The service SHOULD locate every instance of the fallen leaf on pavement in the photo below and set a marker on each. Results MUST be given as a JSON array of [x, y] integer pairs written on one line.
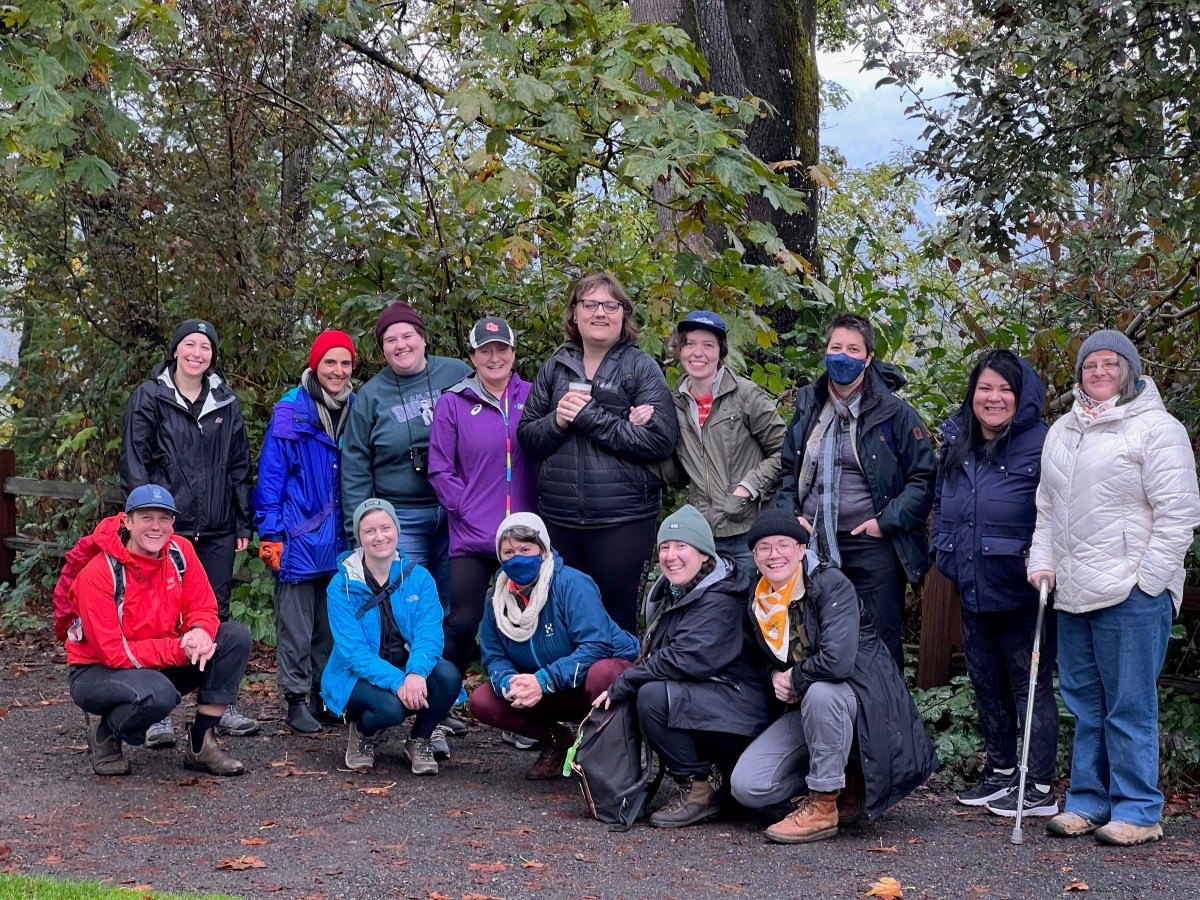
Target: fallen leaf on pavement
[[1076, 885], [237, 863], [533, 864], [455, 813], [271, 888], [479, 897], [253, 842], [886, 888], [379, 790], [434, 895], [488, 867], [883, 849], [267, 823], [513, 832], [731, 888], [915, 841]]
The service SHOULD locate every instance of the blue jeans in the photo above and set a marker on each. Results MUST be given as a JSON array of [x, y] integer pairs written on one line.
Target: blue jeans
[[425, 540], [735, 547], [376, 708], [1108, 665]]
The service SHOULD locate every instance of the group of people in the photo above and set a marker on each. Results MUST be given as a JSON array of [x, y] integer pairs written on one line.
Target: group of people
[[485, 511]]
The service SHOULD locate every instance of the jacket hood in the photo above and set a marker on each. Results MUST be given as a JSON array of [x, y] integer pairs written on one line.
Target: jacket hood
[[883, 377], [1029, 405], [352, 564], [1147, 399], [726, 576], [471, 387]]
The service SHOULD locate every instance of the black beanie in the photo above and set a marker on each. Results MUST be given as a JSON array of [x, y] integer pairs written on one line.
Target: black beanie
[[776, 521], [193, 326]]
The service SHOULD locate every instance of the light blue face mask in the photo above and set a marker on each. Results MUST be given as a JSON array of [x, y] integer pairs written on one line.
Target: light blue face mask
[[843, 368], [522, 569]]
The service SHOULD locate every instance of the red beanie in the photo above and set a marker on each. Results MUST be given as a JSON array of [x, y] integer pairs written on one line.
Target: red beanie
[[325, 342], [395, 314]]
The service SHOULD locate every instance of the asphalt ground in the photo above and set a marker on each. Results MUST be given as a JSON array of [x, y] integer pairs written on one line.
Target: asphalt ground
[[300, 825]]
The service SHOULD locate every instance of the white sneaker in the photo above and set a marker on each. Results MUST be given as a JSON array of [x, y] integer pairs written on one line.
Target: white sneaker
[[233, 722], [518, 740], [161, 735]]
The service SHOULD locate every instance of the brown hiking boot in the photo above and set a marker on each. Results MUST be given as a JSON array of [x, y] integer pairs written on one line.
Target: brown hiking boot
[[853, 798], [697, 799], [549, 764], [815, 819], [211, 758], [107, 756]]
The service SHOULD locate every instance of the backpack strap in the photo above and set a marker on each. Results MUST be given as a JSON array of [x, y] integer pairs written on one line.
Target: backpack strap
[[385, 592], [118, 577]]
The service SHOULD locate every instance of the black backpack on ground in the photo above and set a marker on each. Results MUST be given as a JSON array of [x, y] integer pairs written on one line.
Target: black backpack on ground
[[617, 770]]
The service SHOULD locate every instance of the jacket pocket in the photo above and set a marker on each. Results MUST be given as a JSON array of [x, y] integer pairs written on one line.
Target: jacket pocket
[[1000, 545]]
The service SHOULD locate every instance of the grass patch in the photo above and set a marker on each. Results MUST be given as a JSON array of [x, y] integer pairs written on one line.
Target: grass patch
[[42, 887]]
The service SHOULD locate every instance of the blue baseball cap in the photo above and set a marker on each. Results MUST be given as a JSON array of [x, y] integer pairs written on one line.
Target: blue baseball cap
[[702, 318], [150, 496]]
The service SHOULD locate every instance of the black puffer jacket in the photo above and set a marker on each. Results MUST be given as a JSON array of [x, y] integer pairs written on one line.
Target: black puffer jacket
[[894, 748], [700, 646], [595, 472], [204, 462]]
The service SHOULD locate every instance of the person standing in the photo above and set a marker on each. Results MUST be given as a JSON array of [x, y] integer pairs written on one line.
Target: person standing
[[298, 513], [385, 447], [858, 472], [598, 416], [730, 435], [480, 473], [984, 514], [1116, 511], [184, 431]]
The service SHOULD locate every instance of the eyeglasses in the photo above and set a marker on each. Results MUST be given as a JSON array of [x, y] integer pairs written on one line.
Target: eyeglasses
[[783, 548], [610, 306], [1108, 365]]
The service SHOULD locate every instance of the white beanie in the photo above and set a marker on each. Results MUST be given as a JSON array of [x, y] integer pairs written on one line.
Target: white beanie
[[531, 521]]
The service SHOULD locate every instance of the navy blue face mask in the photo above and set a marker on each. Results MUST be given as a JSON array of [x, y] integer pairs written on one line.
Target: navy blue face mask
[[522, 569], [843, 368]]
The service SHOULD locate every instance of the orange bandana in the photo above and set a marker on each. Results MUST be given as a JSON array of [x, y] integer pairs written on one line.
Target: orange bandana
[[771, 613]]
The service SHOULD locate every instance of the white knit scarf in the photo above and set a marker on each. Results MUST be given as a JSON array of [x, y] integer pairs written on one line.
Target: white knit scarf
[[515, 623]]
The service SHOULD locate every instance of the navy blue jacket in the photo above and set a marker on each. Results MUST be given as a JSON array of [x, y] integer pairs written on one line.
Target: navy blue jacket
[[573, 631], [983, 518], [298, 497]]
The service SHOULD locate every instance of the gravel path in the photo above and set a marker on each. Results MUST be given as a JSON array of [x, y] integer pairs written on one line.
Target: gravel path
[[305, 827]]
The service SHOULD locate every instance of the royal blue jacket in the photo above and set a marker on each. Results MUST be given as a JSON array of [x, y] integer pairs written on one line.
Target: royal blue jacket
[[573, 631], [984, 516], [355, 654], [298, 498]]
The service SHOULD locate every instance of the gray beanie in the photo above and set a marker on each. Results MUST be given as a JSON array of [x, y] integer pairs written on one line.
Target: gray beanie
[[370, 505], [687, 525], [532, 521], [1109, 340]]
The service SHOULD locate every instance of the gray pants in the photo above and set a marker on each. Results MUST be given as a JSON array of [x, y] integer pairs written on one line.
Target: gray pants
[[303, 640], [805, 749]]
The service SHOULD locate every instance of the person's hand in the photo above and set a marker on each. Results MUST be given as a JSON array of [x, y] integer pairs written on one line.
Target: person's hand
[[198, 647], [640, 415], [414, 693], [1035, 578], [600, 701], [569, 406], [271, 552], [740, 491], [242, 544], [869, 527], [782, 682], [524, 691]]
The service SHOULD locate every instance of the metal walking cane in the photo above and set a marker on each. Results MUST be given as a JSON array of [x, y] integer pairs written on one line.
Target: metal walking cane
[[1034, 659]]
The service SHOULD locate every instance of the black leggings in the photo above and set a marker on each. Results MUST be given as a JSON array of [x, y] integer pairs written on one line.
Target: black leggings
[[684, 751], [617, 557], [469, 579]]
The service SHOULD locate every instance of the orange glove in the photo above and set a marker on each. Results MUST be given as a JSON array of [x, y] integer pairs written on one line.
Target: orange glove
[[271, 552]]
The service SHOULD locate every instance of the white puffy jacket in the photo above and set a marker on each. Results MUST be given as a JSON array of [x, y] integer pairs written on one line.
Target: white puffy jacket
[[1117, 504]]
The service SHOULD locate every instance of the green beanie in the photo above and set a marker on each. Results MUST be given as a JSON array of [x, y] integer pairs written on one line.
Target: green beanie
[[687, 525], [370, 505]]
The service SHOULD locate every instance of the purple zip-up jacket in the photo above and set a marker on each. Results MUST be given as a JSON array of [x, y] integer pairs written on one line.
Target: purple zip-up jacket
[[468, 466]]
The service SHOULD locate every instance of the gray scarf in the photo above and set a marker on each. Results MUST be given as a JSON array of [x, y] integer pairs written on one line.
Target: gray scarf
[[824, 454], [327, 404]]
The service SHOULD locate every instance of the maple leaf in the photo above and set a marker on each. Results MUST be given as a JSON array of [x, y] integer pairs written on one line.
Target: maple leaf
[[237, 863], [253, 842], [488, 867], [1076, 885], [886, 888]]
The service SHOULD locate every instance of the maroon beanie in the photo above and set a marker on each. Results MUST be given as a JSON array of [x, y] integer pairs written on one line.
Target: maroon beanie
[[395, 314], [326, 341]]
